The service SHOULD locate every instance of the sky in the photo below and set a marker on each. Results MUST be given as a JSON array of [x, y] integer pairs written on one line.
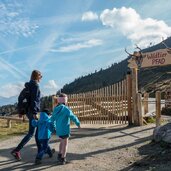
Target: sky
[[67, 39]]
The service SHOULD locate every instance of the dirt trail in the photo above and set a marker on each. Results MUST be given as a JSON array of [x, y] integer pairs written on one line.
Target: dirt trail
[[93, 148]]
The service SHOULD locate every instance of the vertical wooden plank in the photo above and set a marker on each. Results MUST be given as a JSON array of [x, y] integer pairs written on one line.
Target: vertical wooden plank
[[72, 104], [92, 108], [9, 123], [158, 108], [100, 103], [122, 105], [103, 112], [129, 94], [114, 103], [139, 96], [110, 104], [125, 100], [89, 110], [96, 101], [78, 104], [106, 111], [117, 102], [107, 114], [84, 106], [134, 96], [146, 96]]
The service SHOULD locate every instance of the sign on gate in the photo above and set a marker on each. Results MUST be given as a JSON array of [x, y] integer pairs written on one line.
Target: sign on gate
[[159, 57]]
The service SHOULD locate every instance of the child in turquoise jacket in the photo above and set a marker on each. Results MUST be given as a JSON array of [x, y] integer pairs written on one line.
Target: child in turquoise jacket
[[45, 128], [61, 116]]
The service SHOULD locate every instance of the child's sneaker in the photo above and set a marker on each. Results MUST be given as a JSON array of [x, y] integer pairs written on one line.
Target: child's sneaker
[[62, 161], [16, 154], [52, 152], [38, 161], [59, 157]]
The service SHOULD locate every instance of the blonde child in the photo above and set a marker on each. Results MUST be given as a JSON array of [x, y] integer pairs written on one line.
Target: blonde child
[[61, 117]]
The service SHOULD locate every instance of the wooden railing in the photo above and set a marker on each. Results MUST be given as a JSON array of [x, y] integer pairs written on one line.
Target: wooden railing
[[10, 119]]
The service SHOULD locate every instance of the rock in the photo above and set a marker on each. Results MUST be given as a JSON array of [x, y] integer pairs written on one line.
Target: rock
[[162, 133]]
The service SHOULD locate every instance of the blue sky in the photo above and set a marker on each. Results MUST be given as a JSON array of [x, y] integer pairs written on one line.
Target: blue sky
[[66, 39]]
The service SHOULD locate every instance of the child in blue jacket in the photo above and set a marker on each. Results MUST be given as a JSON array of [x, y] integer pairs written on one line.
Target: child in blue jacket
[[45, 128], [61, 116]]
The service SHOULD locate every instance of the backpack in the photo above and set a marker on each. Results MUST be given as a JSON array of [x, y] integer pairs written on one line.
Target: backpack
[[24, 100]]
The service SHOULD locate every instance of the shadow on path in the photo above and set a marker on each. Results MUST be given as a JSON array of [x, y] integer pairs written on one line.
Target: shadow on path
[[29, 151]]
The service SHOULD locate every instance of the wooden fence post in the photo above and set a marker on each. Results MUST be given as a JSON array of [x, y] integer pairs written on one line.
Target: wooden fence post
[[158, 108], [129, 95], [134, 95], [9, 123], [146, 96], [139, 111]]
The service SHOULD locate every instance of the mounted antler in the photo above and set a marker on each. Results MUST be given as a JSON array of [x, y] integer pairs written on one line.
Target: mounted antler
[[128, 53], [137, 47], [168, 48], [165, 45]]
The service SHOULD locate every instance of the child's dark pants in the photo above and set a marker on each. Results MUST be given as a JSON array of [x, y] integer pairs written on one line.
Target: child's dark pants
[[45, 148]]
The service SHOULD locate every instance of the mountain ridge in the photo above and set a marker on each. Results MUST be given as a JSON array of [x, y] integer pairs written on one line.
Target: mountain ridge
[[117, 71]]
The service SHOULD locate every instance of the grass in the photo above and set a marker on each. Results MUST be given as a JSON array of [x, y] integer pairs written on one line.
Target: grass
[[17, 128]]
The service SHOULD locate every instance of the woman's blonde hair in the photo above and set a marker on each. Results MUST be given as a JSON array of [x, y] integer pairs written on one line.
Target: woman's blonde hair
[[35, 75]]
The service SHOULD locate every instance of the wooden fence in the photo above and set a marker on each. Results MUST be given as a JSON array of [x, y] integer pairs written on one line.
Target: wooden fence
[[108, 105]]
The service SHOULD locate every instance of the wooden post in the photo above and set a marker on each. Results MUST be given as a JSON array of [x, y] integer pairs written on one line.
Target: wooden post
[[146, 96], [54, 101], [129, 94], [134, 95], [24, 118], [158, 108], [9, 123], [139, 111]]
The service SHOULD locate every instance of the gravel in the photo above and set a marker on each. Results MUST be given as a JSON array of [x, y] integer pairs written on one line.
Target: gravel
[[95, 148]]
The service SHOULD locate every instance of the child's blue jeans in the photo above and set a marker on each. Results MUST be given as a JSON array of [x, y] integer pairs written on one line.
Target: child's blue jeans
[[45, 148]]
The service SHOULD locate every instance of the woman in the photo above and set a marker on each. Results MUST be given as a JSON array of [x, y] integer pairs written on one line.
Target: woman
[[33, 109]]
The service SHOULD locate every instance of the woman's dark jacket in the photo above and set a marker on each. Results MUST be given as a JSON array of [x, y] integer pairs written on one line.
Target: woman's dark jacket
[[34, 105]]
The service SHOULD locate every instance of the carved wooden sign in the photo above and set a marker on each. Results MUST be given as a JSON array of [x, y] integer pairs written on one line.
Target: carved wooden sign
[[159, 57]]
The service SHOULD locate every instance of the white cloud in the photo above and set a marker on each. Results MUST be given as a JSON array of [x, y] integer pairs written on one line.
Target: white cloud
[[12, 20], [10, 90], [89, 16], [51, 85], [78, 46], [138, 30]]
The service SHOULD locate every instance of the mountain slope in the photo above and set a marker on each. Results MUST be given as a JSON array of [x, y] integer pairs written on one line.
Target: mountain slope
[[148, 78], [10, 100]]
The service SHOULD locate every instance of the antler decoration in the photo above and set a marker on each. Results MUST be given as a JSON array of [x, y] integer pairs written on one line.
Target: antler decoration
[[128, 53], [137, 56], [138, 47], [165, 45], [168, 48]]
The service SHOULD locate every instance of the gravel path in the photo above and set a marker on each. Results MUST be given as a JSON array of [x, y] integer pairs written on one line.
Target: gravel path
[[92, 148]]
